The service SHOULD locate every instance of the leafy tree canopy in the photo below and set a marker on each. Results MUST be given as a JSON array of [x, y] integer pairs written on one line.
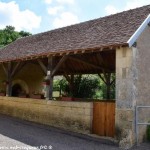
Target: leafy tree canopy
[[8, 35]]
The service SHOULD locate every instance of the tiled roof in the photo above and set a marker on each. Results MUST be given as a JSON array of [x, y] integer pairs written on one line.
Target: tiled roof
[[107, 31]]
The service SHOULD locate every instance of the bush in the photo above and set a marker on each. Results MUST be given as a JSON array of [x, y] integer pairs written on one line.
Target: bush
[[83, 87], [56, 85]]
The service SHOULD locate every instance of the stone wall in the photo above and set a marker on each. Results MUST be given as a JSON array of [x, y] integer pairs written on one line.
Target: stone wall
[[132, 89], [74, 116], [29, 77], [32, 75], [124, 97], [142, 80]]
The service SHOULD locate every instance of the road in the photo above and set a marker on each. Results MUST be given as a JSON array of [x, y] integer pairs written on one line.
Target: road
[[23, 135]]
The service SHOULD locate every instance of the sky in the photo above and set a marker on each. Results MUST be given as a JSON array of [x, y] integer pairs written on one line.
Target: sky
[[37, 16]]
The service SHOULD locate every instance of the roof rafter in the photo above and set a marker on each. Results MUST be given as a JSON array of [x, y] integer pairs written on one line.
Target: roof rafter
[[88, 63]]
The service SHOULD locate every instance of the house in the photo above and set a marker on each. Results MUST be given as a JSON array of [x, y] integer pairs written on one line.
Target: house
[[117, 43]]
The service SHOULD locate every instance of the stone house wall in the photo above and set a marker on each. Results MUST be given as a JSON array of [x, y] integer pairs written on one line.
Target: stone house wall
[[142, 79], [124, 97], [132, 89]]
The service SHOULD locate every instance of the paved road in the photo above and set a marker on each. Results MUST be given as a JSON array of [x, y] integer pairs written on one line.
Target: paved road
[[20, 135], [144, 146]]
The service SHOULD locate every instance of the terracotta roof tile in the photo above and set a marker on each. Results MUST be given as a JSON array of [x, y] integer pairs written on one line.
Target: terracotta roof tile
[[110, 30]]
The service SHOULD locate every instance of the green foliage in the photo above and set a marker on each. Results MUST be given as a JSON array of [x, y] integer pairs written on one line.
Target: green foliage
[[24, 34], [102, 93], [56, 85], [148, 132], [64, 86], [83, 87], [8, 35]]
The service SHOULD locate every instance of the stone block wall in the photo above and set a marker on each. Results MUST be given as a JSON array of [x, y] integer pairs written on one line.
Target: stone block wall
[[142, 80], [124, 97], [132, 89], [73, 116]]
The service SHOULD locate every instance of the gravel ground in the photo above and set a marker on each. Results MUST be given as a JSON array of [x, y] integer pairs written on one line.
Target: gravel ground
[[20, 135]]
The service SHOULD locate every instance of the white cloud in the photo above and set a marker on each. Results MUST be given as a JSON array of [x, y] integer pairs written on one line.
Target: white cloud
[[65, 19], [110, 9], [54, 10], [66, 1], [10, 14], [48, 1], [60, 1]]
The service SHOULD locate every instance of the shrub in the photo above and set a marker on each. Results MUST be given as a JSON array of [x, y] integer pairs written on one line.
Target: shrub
[[83, 87]]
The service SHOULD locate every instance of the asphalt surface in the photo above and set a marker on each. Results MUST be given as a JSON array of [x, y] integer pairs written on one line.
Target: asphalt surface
[[22, 135]]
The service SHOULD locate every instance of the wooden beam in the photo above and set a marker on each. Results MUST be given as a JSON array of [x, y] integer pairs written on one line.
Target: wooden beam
[[101, 58], [75, 52], [62, 60], [15, 69], [88, 63], [112, 82], [107, 80], [22, 64], [4, 68], [43, 67], [67, 77], [102, 78], [83, 51]]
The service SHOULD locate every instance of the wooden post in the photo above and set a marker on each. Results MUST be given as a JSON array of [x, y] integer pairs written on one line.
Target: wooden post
[[9, 80], [72, 84], [51, 88], [43, 67], [10, 72], [49, 94], [108, 78]]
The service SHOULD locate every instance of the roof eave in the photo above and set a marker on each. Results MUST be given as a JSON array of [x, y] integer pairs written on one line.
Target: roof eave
[[138, 32]]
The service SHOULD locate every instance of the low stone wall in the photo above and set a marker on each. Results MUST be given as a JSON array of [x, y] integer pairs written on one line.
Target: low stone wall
[[74, 116]]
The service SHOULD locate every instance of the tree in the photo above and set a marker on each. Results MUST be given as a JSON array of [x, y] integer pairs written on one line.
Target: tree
[[87, 86], [84, 86], [9, 35], [24, 34]]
